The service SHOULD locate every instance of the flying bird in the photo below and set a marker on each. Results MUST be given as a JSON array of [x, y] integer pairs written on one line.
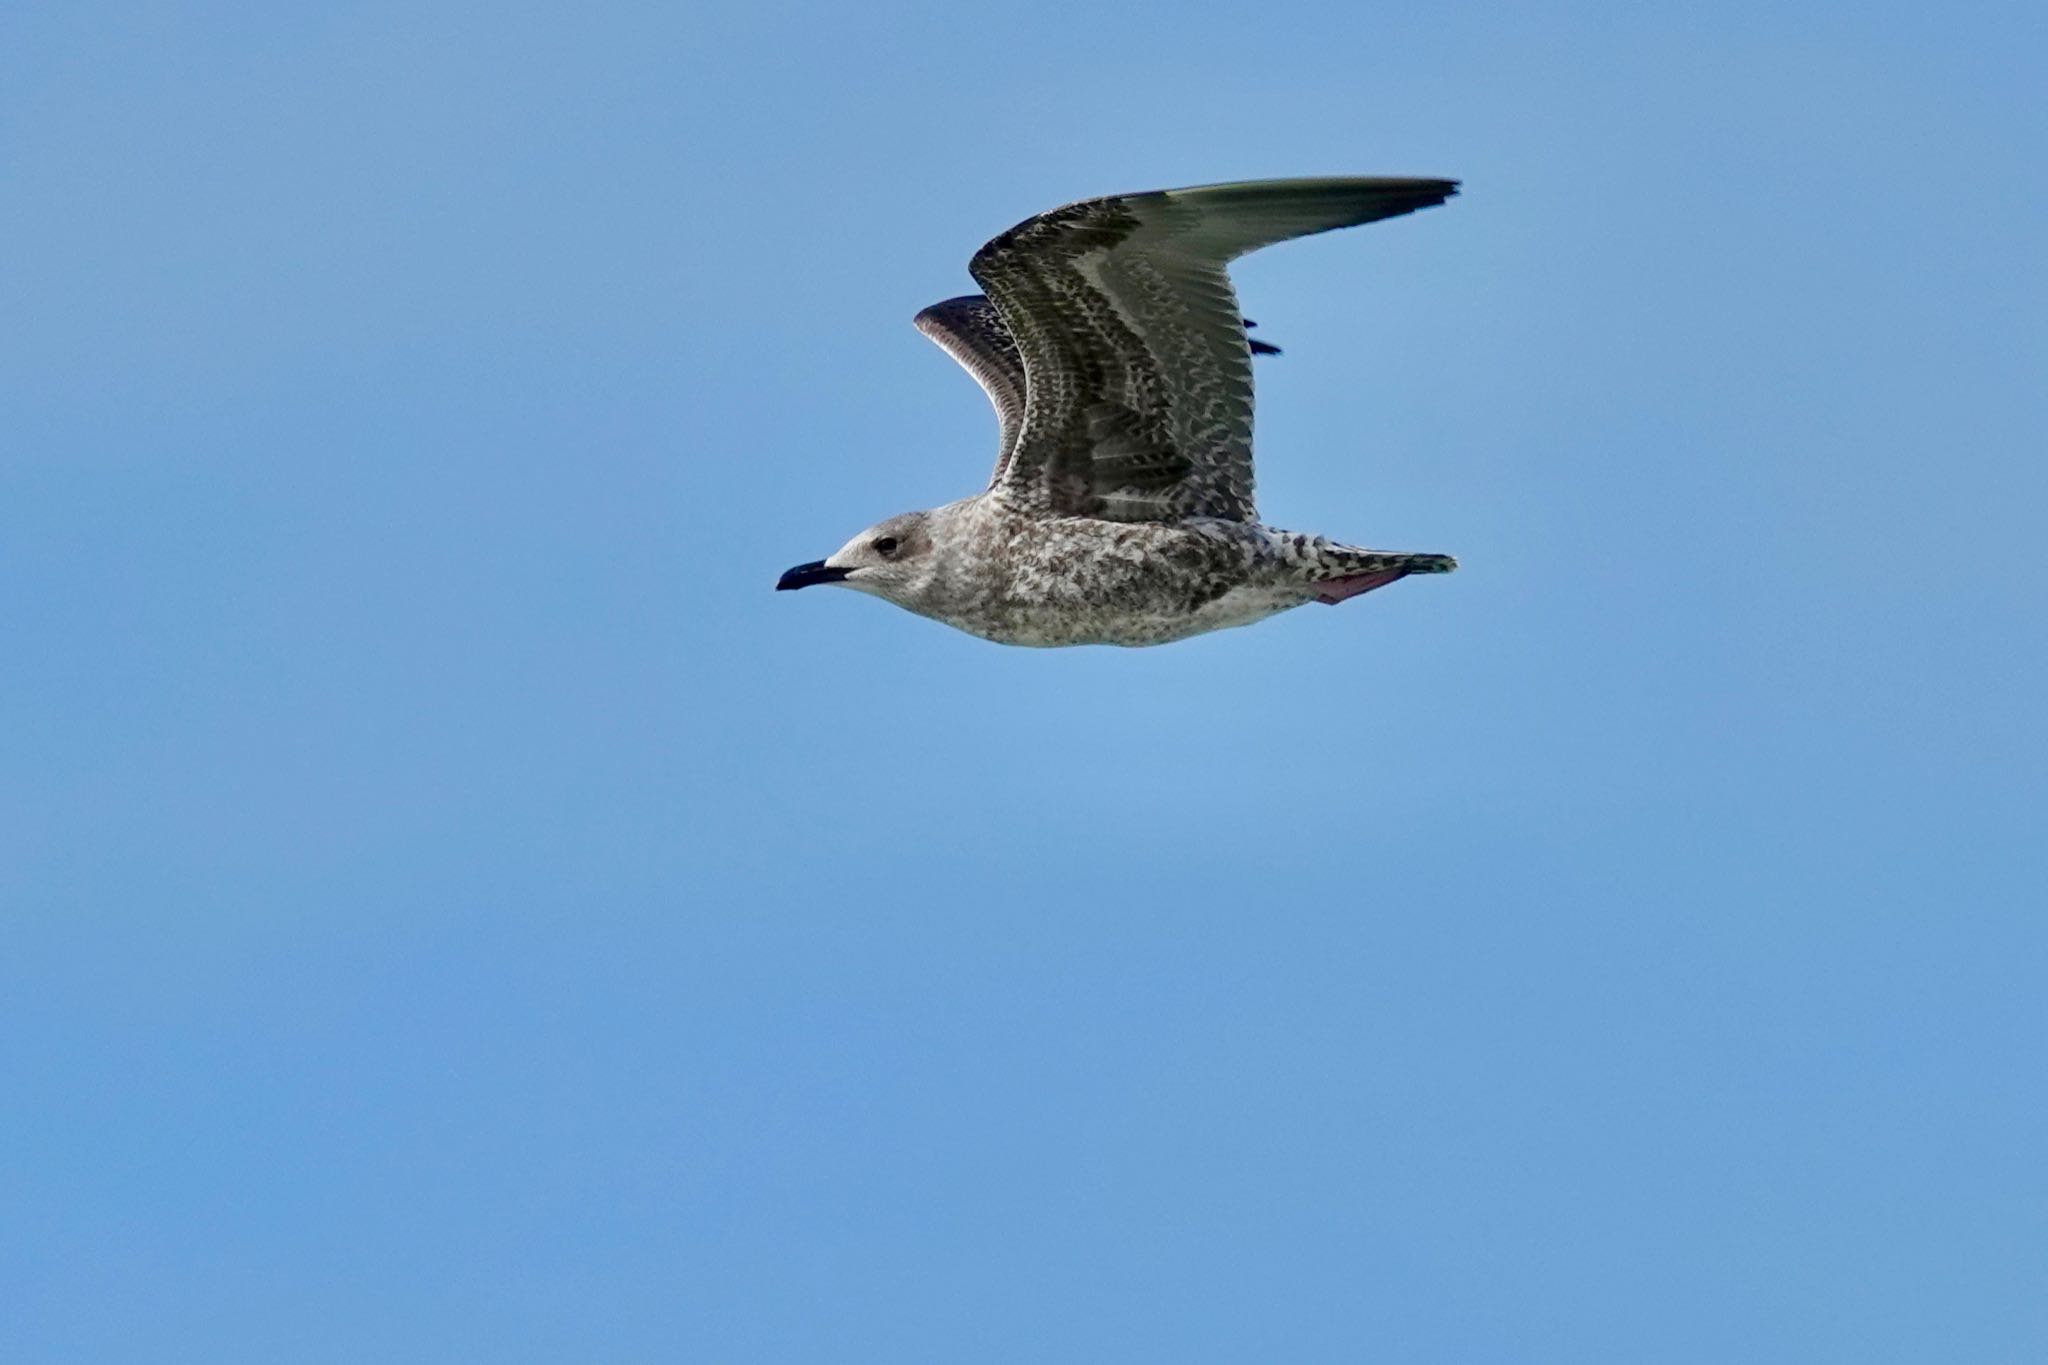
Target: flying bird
[[1109, 341]]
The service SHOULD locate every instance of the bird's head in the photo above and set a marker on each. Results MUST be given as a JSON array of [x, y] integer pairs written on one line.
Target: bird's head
[[894, 559]]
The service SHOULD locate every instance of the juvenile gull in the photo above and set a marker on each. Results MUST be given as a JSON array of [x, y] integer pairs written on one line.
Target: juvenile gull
[[1120, 512]]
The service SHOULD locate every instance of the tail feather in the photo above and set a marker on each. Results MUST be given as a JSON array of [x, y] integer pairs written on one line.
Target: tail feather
[[1363, 570]]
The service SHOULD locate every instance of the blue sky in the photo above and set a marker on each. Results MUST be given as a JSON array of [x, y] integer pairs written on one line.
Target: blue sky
[[455, 910]]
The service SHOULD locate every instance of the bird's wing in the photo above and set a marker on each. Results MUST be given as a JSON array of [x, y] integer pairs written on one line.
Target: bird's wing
[[1138, 400], [972, 332]]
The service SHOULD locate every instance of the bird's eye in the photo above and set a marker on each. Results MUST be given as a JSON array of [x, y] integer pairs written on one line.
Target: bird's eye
[[885, 545]]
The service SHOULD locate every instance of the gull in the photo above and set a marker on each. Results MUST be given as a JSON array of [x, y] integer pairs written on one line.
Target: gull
[[1110, 343]]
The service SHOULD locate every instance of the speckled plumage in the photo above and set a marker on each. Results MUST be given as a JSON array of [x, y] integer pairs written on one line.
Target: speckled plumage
[[1121, 508]]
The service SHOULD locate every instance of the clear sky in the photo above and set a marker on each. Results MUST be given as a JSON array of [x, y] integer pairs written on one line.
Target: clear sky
[[455, 911]]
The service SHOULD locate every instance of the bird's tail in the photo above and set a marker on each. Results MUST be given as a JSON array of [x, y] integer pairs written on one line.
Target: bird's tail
[[1360, 571]]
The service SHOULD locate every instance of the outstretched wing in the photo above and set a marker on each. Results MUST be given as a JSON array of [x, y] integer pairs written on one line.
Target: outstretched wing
[[1138, 393], [972, 332]]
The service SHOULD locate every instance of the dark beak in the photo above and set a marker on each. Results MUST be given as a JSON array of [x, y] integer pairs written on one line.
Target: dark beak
[[804, 575]]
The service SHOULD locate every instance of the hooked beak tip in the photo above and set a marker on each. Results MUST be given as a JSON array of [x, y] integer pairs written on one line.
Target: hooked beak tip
[[804, 575]]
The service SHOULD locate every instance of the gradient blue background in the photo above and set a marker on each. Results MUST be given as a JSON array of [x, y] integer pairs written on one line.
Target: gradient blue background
[[453, 910]]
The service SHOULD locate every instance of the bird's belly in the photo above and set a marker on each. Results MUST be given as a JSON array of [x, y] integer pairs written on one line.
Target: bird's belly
[[1130, 623]]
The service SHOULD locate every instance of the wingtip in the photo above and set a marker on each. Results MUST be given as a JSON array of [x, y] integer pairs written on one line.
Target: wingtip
[[937, 312]]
